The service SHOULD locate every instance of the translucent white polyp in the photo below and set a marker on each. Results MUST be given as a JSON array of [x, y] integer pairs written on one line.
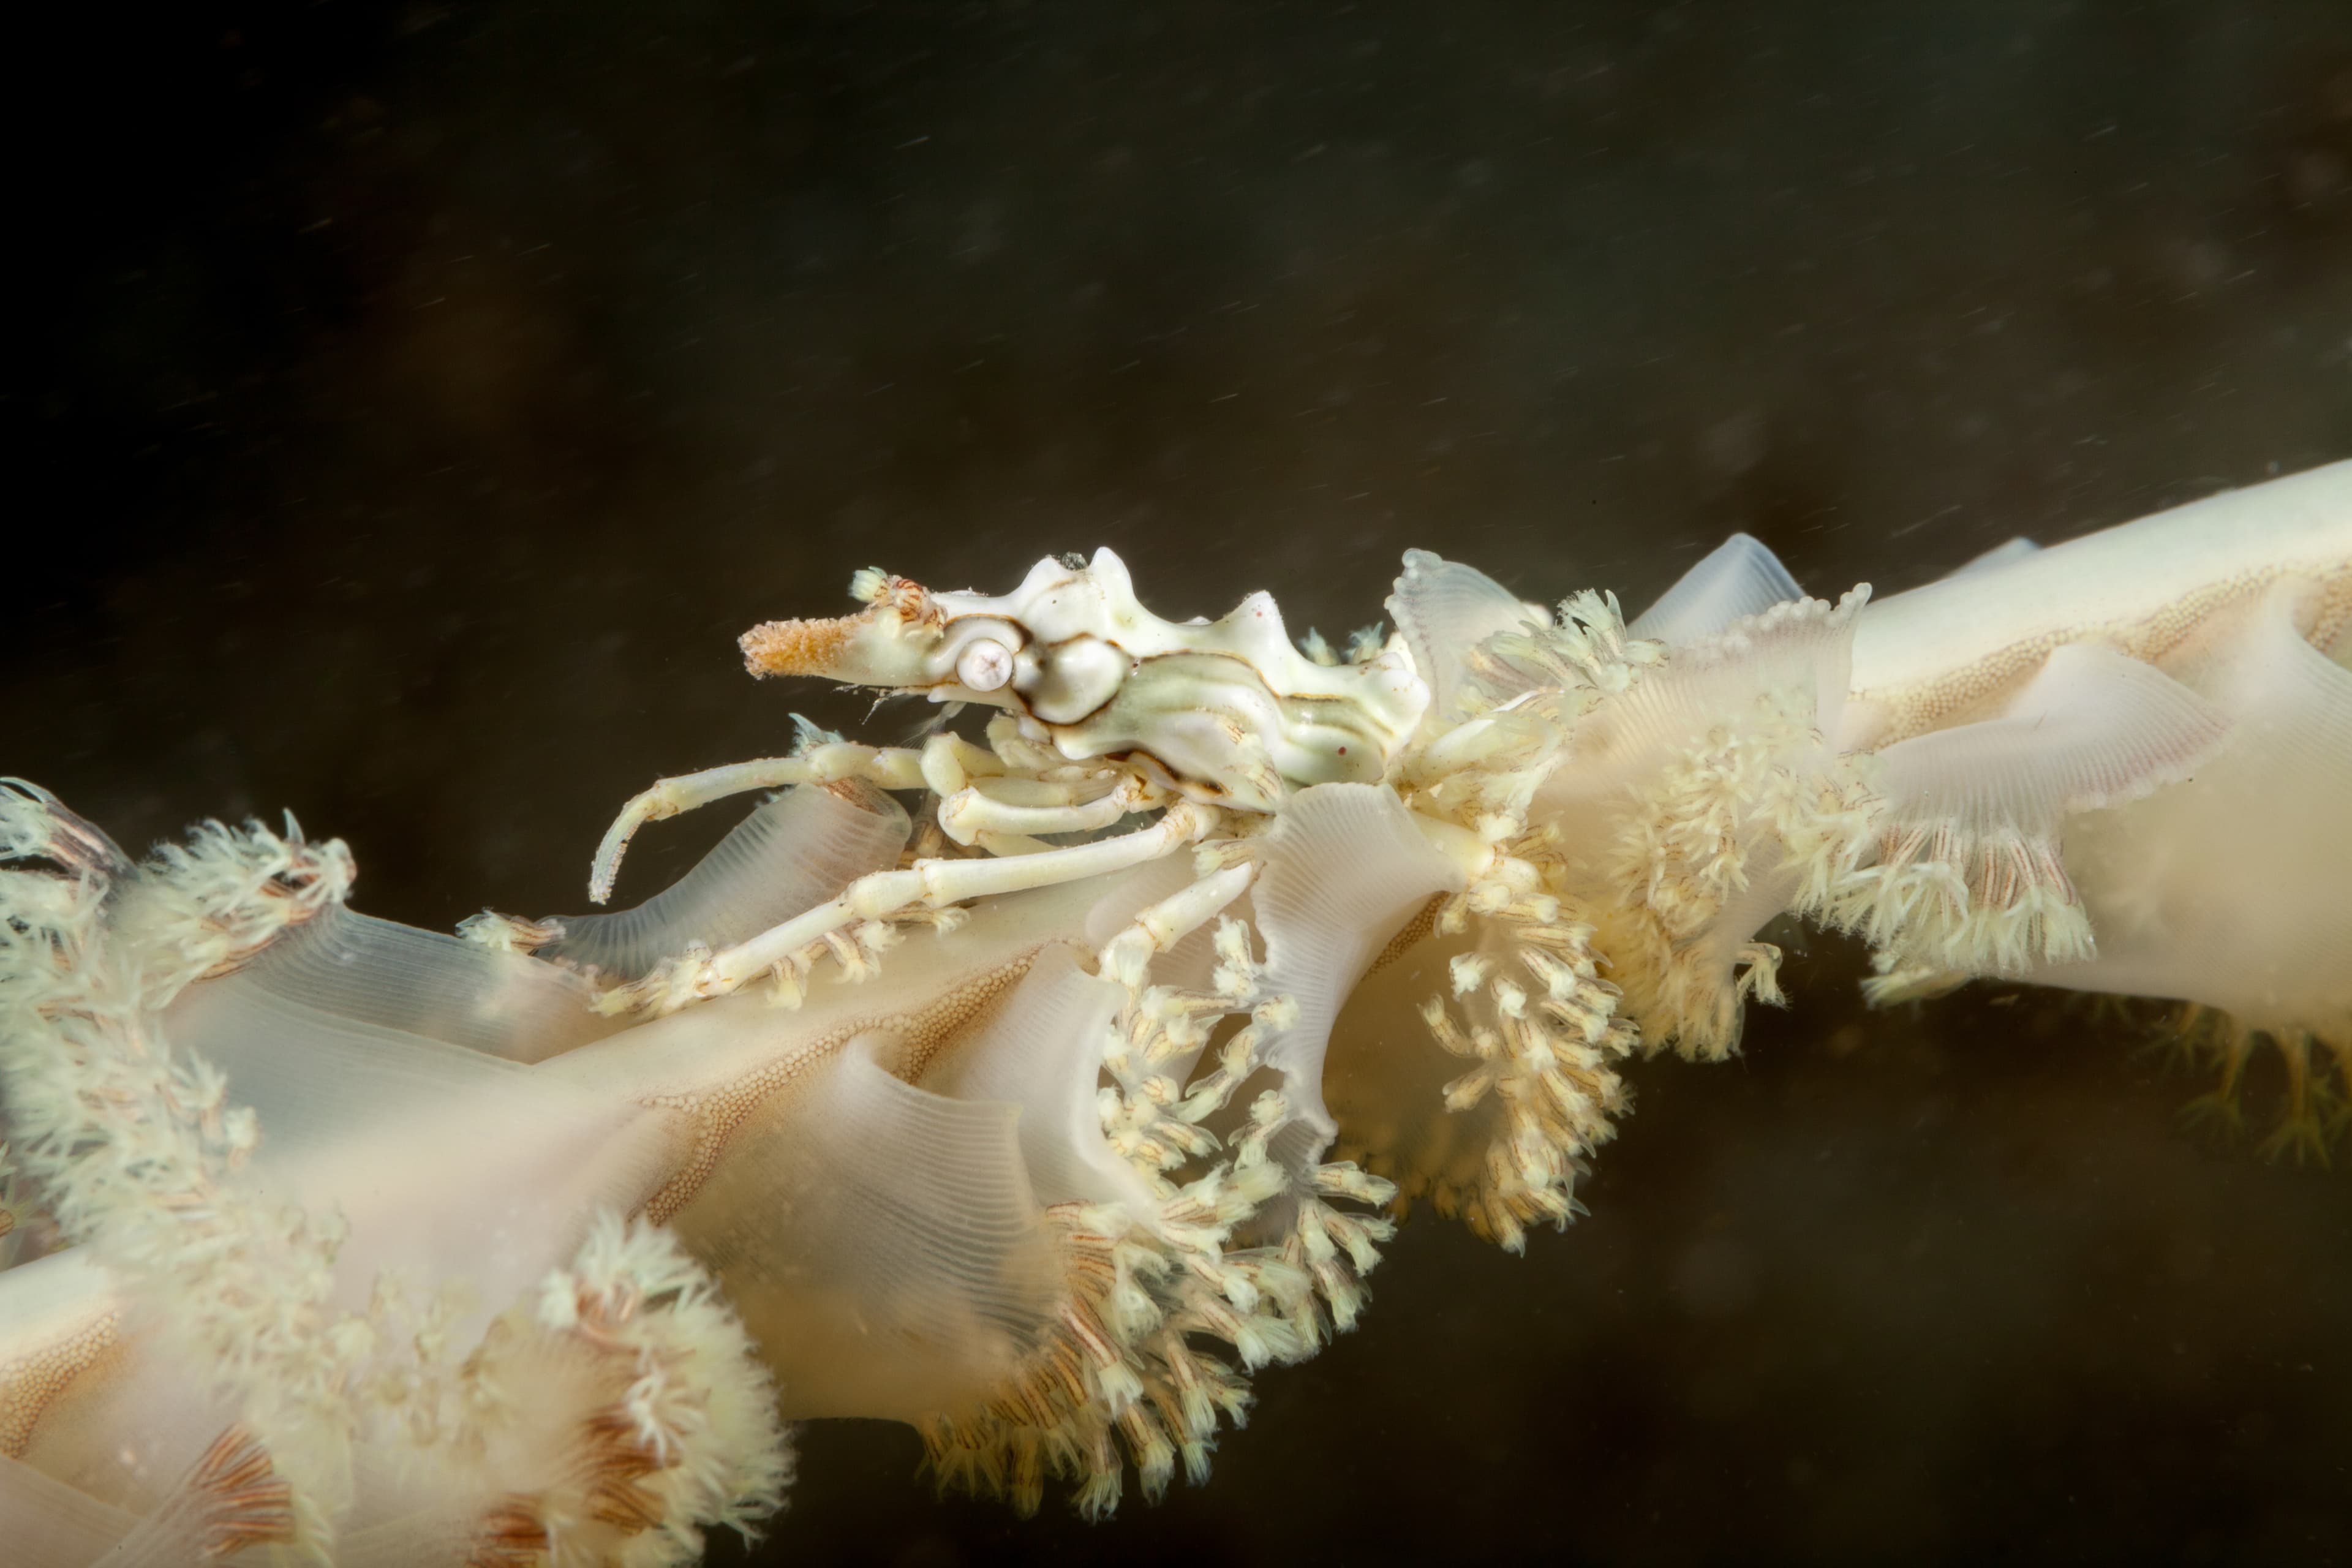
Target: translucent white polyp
[[1673, 801], [53, 1525], [1738, 579], [1042, 1053], [373, 971], [49, 1524], [1345, 869], [1625, 740], [785, 858], [2095, 728], [1446, 609], [447, 1164], [933, 985], [882, 1242], [125, 1429], [2229, 889], [48, 1308]]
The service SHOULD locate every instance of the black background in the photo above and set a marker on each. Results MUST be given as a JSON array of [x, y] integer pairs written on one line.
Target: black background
[[406, 405]]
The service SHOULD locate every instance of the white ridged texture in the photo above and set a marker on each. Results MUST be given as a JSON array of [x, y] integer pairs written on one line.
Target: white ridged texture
[[882, 1242], [373, 971], [447, 1163], [2095, 728], [2229, 890], [1446, 609], [1042, 1052], [1738, 579], [1344, 869], [785, 858]]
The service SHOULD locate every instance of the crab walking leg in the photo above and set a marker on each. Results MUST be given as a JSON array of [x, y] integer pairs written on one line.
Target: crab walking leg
[[938, 883], [891, 767], [950, 762], [1068, 785], [970, 814], [1126, 956]]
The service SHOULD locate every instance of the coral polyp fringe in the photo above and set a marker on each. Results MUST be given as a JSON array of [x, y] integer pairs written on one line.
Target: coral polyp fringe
[[1937, 896], [1114, 1367], [1748, 798], [1529, 1011], [692, 1439], [2317, 1111], [1153, 1114], [1116, 1376], [232, 1498], [134, 1145], [136, 1148], [1538, 1027]]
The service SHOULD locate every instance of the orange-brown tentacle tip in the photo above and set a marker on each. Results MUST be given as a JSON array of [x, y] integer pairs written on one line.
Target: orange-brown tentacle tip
[[512, 1534], [234, 1498], [799, 647]]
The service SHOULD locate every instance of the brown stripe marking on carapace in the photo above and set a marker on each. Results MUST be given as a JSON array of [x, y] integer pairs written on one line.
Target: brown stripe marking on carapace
[[717, 1113], [31, 1383]]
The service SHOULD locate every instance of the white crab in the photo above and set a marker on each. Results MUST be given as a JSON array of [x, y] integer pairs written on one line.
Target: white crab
[[1109, 710]]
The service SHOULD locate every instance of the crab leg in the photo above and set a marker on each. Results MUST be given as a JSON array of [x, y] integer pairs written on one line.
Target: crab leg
[[892, 767], [936, 883], [1127, 956], [971, 815]]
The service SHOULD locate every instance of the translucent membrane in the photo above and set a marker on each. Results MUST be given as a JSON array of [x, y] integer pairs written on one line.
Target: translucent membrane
[[2095, 728], [1796, 656], [2229, 889], [1965, 875], [1041, 1053], [446, 1163], [98, 1404], [1386, 1079], [1345, 871], [1738, 579], [374, 972], [785, 858], [882, 1242], [53, 1525], [1446, 609]]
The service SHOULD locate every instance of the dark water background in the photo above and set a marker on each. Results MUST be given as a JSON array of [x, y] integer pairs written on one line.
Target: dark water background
[[407, 406]]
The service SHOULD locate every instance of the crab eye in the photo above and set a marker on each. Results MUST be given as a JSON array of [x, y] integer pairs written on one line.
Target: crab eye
[[985, 664]]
